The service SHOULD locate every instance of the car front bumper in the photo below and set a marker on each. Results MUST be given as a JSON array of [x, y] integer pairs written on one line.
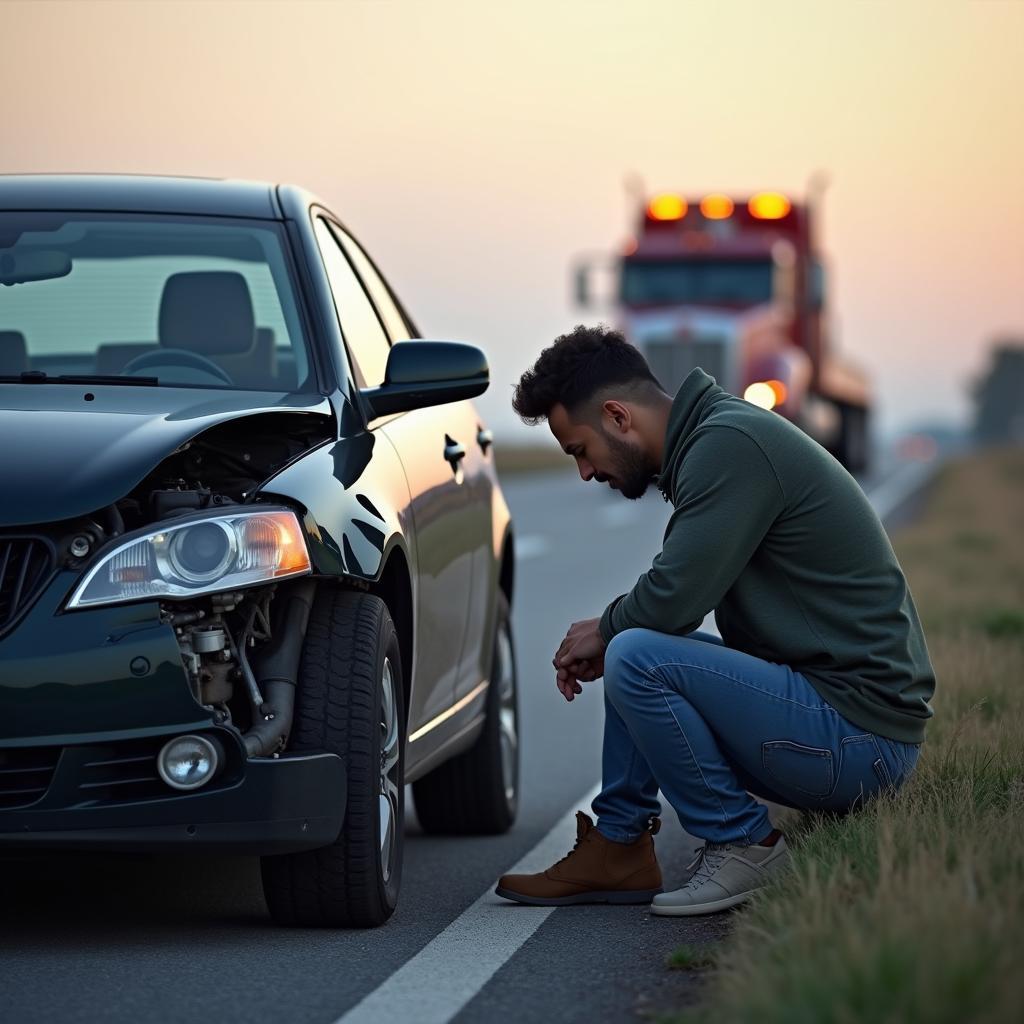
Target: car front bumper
[[278, 805], [88, 698]]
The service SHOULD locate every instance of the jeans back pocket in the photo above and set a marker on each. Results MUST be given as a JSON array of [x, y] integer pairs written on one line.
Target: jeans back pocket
[[798, 767]]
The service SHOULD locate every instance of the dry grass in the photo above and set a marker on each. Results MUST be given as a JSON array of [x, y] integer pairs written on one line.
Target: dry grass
[[913, 909]]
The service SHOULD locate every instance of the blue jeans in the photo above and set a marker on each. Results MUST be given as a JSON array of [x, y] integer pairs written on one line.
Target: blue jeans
[[710, 726]]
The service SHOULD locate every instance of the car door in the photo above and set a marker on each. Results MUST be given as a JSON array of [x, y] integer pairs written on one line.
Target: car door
[[428, 453], [472, 521]]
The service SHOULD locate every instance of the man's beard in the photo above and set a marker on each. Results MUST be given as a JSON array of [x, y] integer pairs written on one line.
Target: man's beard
[[633, 470]]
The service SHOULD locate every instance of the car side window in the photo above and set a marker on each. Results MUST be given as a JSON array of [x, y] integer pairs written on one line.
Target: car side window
[[396, 324], [360, 326]]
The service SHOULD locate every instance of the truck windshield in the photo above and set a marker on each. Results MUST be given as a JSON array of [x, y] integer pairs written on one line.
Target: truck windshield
[[700, 282], [193, 302]]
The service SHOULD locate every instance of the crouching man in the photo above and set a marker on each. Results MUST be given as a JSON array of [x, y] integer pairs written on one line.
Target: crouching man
[[816, 695]]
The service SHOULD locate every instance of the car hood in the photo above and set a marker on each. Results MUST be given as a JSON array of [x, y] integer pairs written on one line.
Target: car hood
[[65, 454]]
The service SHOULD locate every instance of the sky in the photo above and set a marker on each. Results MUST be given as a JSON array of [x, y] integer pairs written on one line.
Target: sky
[[478, 149]]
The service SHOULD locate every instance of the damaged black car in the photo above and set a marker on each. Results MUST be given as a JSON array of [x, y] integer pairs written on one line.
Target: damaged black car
[[256, 568]]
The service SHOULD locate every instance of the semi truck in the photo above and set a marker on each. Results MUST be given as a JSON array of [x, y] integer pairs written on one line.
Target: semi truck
[[737, 286]]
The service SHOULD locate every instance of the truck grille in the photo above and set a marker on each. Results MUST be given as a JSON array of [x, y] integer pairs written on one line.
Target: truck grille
[[25, 566], [25, 774], [672, 359]]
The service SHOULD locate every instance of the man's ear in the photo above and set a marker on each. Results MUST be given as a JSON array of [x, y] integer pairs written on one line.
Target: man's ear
[[620, 416]]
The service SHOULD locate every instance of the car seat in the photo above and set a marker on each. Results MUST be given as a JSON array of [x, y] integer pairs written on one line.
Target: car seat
[[13, 353]]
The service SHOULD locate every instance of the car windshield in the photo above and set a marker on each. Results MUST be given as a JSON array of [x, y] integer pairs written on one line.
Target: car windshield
[[192, 302], [701, 282]]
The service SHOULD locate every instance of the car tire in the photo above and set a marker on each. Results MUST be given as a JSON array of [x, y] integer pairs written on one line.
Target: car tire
[[349, 701], [477, 792]]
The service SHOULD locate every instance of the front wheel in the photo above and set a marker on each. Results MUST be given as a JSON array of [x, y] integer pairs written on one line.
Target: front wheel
[[349, 702], [477, 792]]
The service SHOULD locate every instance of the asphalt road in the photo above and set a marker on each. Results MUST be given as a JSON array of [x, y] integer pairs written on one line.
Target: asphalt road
[[153, 938]]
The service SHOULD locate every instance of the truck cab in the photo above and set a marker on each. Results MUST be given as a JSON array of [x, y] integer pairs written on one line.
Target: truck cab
[[736, 285]]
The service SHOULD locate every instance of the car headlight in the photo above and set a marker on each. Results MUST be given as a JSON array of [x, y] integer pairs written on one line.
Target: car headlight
[[198, 557]]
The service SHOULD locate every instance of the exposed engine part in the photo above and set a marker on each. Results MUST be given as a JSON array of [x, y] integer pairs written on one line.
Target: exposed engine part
[[255, 696], [207, 649], [278, 669], [216, 685], [215, 650], [167, 503], [115, 521], [77, 541], [176, 618], [229, 600], [219, 468], [80, 545], [199, 662], [208, 639], [256, 628]]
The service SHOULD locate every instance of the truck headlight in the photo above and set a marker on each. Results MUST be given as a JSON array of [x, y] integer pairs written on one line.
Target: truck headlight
[[200, 556]]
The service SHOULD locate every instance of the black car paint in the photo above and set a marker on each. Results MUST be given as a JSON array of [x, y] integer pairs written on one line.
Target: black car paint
[[75, 456], [66, 677]]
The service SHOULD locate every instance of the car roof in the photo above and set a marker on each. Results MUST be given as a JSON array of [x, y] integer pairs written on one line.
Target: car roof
[[137, 193]]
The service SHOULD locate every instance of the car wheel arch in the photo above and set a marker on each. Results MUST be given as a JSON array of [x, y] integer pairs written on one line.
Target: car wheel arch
[[507, 566], [394, 587]]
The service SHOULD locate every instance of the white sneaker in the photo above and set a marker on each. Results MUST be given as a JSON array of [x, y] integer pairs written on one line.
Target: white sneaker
[[726, 875]]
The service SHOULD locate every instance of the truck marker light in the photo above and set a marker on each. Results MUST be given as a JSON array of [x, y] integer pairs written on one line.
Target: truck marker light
[[667, 206], [780, 390], [769, 206], [716, 206]]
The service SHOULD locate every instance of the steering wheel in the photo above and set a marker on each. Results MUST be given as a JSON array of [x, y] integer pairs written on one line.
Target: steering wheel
[[175, 357]]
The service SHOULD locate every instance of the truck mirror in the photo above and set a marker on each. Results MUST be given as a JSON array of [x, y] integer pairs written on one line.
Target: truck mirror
[[583, 285], [817, 286]]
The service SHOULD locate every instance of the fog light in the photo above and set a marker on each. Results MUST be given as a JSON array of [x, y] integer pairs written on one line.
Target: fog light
[[188, 762]]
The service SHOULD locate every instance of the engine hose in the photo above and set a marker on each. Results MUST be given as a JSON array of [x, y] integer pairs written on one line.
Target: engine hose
[[277, 670]]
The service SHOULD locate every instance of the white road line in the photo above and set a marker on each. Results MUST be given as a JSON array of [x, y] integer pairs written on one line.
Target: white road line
[[891, 493], [445, 974]]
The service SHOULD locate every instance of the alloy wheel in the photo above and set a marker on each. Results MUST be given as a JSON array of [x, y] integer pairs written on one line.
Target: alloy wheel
[[390, 749], [505, 680]]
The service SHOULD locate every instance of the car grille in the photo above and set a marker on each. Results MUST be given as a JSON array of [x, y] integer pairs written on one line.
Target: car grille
[[103, 773], [116, 772], [25, 774], [26, 564]]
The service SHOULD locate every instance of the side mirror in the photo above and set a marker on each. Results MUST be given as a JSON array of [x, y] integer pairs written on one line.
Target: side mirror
[[424, 373]]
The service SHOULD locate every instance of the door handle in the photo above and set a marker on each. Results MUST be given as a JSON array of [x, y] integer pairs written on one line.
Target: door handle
[[485, 439], [453, 451]]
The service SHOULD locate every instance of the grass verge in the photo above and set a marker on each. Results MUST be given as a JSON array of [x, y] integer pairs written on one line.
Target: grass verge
[[912, 910]]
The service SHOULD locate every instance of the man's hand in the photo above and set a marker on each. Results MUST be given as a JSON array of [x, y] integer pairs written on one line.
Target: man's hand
[[580, 657]]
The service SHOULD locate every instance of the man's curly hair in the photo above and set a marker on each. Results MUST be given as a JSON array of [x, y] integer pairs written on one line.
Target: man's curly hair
[[576, 367]]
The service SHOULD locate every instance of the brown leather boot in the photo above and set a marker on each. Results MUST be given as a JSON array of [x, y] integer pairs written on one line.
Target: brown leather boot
[[597, 870]]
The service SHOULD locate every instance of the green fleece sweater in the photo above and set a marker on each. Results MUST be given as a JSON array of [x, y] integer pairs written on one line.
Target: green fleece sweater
[[775, 536]]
